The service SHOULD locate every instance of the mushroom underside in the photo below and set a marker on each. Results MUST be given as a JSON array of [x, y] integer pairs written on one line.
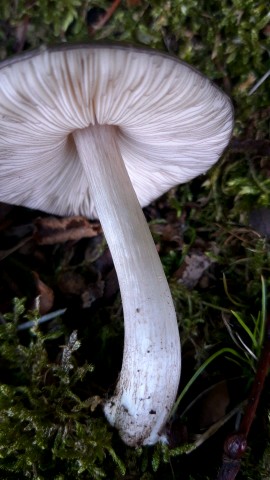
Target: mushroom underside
[[106, 129]]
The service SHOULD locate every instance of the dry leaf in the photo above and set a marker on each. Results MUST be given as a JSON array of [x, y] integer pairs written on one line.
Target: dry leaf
[[45, 294], [52, 230], [192, 269]]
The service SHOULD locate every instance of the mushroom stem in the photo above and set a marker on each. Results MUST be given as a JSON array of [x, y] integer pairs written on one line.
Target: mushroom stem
[[151, 366]]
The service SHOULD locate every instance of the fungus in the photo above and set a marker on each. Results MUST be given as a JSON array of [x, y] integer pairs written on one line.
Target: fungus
[[101, 131]]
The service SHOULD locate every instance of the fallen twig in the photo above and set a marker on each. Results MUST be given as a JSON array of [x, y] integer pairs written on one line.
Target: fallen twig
[[235, 445], [258, 147], [103, 19], [44, 318]]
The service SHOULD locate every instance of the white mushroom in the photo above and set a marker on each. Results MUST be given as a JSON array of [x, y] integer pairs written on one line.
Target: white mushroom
[[101, 130]]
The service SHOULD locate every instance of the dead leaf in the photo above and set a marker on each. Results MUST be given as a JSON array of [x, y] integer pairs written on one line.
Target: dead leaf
[[52, 230], [71, 282], [45, 294], [93, 292], [193, 269], [214, 405], [169, 232]]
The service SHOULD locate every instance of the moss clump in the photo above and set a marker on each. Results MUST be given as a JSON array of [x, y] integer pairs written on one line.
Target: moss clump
[[45, 427]]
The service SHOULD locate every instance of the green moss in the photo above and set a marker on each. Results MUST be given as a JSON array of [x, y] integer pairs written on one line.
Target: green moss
[[45, 426]]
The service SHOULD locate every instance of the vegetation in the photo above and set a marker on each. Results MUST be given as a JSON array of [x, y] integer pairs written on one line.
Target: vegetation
[[40, 413], [52, 375]]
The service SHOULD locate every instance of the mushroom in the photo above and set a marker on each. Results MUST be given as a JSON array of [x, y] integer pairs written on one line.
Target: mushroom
[[102, 130]]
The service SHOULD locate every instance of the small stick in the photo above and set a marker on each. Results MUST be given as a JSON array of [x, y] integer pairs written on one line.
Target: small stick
[[258, 84], [104, 18], [235, 445], [258, 147], [257, 387], [21, 34], [44, 318]]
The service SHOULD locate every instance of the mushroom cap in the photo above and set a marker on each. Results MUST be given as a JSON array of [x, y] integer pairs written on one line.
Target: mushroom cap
[[171, 121]]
